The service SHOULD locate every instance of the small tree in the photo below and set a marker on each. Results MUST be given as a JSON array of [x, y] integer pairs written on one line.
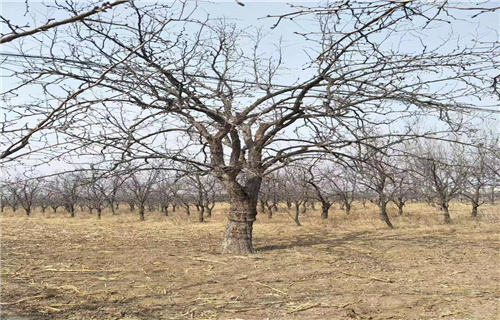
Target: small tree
[[443, 174], [141, 186]]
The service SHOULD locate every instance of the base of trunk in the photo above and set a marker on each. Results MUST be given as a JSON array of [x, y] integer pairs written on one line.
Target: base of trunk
[[238, 238]]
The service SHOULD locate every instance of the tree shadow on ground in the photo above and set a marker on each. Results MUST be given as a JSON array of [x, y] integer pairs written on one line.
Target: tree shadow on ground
[[311, 240]]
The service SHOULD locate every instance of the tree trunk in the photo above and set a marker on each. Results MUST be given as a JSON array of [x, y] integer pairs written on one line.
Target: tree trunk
[[475, 205], [141, 212], [446, 212], [201, 211], [174, 207], [400, 204], [296, 218], [383, 214], [99, 212], [28, 211], [304, 208], [238, 232], [325, 206], [208, 209], [262, 206], [165, 210], [400, 208], [112, 207], [132, 207], [347, 207]]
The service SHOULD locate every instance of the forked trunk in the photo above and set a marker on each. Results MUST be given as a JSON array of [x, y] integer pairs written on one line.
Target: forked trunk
[[304, 208], [446, 212]]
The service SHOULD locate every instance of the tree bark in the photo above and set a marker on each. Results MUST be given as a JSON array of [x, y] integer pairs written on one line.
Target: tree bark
[[238, 232], [297, 210], [474, 210], [201, 212], [347, 207], [112, 207], [325, 206], [99, 211], [446, 212], [242, 214]]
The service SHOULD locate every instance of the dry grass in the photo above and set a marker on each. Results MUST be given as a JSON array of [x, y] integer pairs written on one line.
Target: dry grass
[[54, 267]]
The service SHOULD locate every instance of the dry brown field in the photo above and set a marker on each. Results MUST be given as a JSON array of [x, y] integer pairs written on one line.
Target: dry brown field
[[347, 267]]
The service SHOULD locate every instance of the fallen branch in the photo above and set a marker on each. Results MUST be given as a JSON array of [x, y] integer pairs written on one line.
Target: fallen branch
[[306, 307], [81, 270], [268, 286], [22, 300], [206, 260], [368, 277]]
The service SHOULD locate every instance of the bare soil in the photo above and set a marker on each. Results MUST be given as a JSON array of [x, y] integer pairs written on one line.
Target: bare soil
[[347, 267]]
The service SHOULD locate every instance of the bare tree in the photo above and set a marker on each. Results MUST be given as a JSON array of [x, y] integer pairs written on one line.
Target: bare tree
[[197, 93], [26, 191], [141, 186], [375, 173], [443, 174]]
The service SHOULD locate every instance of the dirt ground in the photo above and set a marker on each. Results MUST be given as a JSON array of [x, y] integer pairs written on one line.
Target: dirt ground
[[348, 267]]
